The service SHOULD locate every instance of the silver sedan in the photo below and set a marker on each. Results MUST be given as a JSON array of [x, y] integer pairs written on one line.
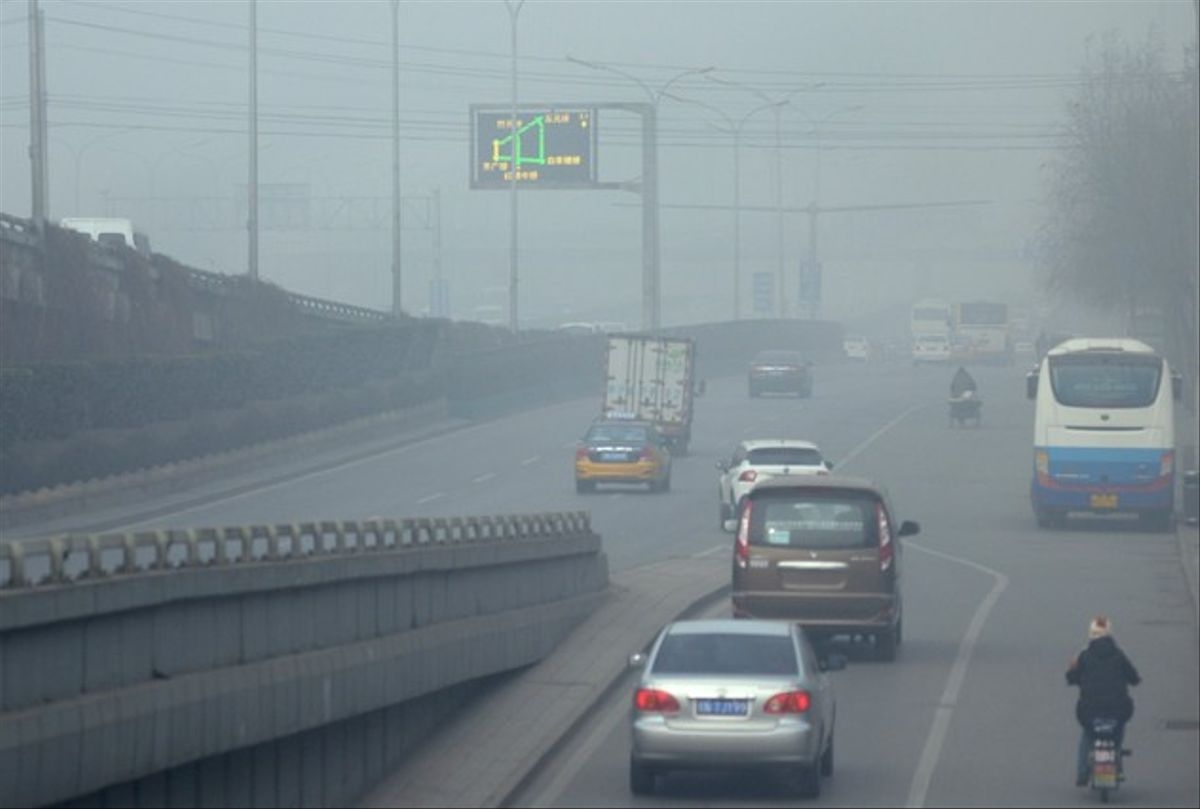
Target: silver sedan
[[732, 694]]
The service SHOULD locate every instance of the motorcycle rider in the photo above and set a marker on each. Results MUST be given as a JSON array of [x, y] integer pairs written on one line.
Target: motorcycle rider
[[962, 385], [1103, 674]]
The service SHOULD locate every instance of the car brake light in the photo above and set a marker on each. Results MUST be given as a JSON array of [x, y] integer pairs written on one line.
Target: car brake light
[[651, 700], [741, 546], [886, 550], [1041, 460], [749, 476], [647, 453], [788, 702], [1167, 464], [581, 453]]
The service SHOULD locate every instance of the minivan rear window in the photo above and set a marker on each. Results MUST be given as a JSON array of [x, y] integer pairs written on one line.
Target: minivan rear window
[[726, 654], [812, 520]]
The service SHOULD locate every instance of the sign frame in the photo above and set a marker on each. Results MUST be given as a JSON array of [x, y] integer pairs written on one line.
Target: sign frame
[[526, 112]]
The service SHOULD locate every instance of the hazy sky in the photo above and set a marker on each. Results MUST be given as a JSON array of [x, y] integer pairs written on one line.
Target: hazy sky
[[923, 102]]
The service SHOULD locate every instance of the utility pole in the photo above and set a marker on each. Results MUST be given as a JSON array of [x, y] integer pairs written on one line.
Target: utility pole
[[38, 136], [252, 184], [396, 201], [783, 307], [514, 9], [442, 295]]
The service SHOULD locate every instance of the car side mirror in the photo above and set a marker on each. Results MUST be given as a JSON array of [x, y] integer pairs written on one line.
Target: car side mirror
[[730, 526], [1176, 385], [1031, 385], [829, 465], [909, 528], [723, 465], [832, 662], [637, 660]]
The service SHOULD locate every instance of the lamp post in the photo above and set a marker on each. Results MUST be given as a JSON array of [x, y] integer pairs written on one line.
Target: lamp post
[[813, 208], [651, 272], [396, 199], [777, 104], [514, 9], [734, 128]]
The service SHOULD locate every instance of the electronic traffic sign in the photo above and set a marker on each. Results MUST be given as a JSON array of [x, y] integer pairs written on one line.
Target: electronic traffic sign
[[549, 147]]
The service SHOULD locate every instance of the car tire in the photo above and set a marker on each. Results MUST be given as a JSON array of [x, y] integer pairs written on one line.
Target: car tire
[[723, 513], [827, 759], [1160, 521], [808, 782], [665, 486], [1048, 518], [585, 486], [885, 645], [641, 779], [753, 392]]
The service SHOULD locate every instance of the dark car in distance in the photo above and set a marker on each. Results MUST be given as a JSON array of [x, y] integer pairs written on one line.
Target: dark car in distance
[[780, 371]]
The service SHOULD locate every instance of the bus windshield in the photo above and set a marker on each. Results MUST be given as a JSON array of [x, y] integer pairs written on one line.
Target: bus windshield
[[1105, 380]]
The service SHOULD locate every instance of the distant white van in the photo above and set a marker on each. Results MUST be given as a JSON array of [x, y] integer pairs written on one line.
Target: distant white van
[[109, 231]]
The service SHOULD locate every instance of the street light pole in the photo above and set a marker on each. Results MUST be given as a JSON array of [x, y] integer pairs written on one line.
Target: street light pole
[[397, 202], [252, 181], [651, 254], [514, 10]]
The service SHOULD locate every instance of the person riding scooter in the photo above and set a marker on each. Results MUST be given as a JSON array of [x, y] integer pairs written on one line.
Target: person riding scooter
[[1103, 674], [962, 384]]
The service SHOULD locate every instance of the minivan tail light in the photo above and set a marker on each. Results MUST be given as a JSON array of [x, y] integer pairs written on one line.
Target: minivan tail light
[[652, 700], [647, 453], [741, 546], [581, 453], [886, 549], [1166, 466], [788, 702], [749, 476]]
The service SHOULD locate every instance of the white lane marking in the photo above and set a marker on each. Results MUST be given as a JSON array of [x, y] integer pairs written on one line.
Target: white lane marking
[[854, 453], [531, 459], [551, 794], [429, 498], [919, 788], [711, 551], [486, 476]]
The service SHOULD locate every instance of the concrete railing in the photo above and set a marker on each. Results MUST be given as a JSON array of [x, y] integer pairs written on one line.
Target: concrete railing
[[127, 656]]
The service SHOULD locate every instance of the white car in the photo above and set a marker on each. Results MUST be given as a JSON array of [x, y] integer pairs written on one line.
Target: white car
[[931, 348], [761, 459], [857, 348]]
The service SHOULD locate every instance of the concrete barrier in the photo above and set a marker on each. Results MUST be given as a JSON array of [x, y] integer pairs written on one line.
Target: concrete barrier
[[128, 657]]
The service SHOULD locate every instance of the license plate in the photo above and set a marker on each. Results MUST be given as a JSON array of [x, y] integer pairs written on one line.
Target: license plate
[[612, 456], [1104, 776], [1104, 501], [722, 707]]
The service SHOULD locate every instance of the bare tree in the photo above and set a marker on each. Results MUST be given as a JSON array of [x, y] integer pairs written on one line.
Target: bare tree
[[1121, 232]]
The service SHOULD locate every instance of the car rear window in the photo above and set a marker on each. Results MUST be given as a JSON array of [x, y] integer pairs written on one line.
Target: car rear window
[[618, 433], [784, 456], [726, 654], [813, 520], [779, 357]]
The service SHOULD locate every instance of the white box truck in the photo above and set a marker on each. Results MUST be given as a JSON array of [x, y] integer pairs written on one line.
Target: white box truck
[[651, 379]]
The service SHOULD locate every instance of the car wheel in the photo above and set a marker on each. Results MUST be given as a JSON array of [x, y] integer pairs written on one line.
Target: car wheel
[[808, 782], [885, 645], [665, 486], [753, 392], [641, 779], [900, 631], [1048, 518], [1160, 521], [827, 759], [585, 486], [723, 514]]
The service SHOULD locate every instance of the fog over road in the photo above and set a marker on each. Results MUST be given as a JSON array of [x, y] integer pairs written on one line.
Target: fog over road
[[983, 587]]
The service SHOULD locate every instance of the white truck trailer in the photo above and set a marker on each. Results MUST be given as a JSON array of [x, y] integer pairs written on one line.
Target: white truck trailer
[[651, 379]]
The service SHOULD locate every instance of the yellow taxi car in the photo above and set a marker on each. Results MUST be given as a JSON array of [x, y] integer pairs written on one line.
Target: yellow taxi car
[[622, 452]]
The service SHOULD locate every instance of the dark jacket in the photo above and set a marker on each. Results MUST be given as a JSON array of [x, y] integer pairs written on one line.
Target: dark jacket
[[1103, 674], [961, 383]]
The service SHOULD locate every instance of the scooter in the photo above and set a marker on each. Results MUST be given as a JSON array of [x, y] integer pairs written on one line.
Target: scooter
[[1106, 758]]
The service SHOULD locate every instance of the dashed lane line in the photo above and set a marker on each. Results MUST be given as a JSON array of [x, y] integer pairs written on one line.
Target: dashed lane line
[[429, 498], [484, 478]]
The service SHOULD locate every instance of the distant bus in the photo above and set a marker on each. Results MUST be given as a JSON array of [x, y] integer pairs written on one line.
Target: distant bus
[[930, 316], [983, 332], [1104, 431]]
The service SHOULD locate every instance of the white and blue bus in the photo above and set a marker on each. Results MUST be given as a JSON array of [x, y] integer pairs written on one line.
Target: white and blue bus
[[1104, 431]]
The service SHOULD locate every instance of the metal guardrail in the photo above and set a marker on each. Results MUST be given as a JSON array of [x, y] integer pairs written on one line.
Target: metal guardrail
[[66, 559]]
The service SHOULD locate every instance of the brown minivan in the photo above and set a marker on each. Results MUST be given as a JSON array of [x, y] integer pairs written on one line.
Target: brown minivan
[[823, 552]]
